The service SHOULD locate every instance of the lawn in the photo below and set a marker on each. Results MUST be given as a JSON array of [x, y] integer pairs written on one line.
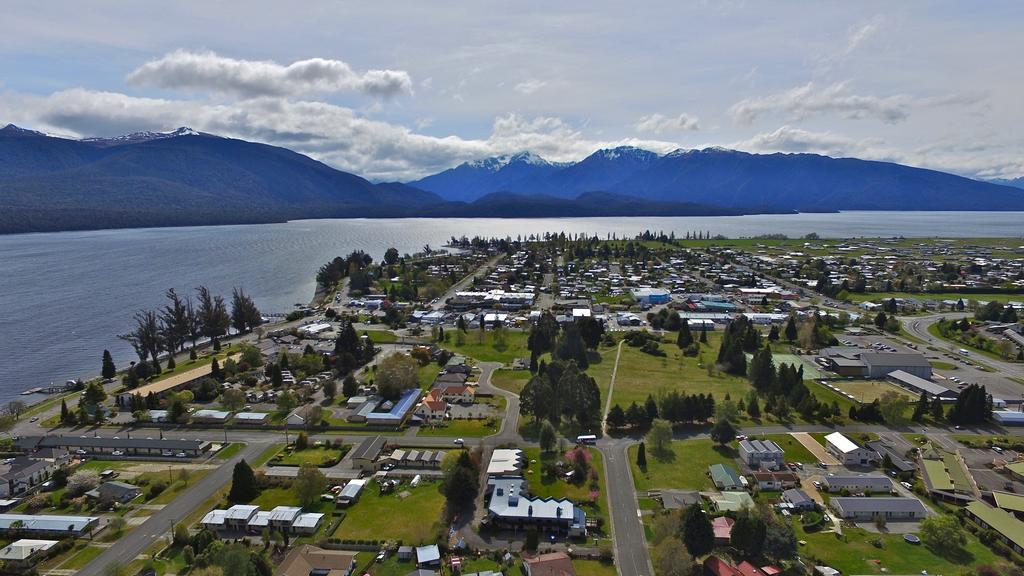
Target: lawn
[[795, 451], [317, 456], [81, 558], [867, 391], [380, 336], [593, 568], [266, 455], [986, 297], [581, 494], [641, 374], [462, 428], [685, 468], [230, 450], [511, 380], [488, 350], [413, 520], [855, 554]]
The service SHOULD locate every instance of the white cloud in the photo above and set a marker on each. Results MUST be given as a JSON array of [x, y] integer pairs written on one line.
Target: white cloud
[[530, 86], [862, 33], [809, 100], [337, 135], [789, 139], [209, 72], [658, 123]]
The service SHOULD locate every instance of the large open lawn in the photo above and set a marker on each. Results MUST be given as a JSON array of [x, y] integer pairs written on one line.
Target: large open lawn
[[985, 297], [795, 451], [488, 349], [685, 468], [413, 519], [867, 391], [855, 554], [317, 456], [511, 380], [641, 374], [462, 428]]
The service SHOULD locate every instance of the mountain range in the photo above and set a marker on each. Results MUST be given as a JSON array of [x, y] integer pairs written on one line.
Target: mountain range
[[185, 177], [728, 179]]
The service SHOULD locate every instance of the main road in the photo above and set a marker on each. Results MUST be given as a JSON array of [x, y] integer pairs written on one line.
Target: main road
[[135, 542]]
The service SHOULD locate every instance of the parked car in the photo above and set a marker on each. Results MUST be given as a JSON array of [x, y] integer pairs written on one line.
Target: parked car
[[180, 454]]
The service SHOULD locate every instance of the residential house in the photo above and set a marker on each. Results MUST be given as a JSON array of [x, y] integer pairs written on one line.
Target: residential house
[[114, 491], [725, 477], [307, 559], [1009, 529], [798, 499], [761, 454], [732, 501], [459, 394], [508, 505], [770, 480], [890, 508], [20, 556], [23, 474], [551, 564], [722, 526], [432, 408]]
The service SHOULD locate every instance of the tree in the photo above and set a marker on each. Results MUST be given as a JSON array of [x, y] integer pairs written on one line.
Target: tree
[[726, 410], [790, 331], [641, 456], [233, 399], [243, 484], [672, 559], [893, 407], [460, 482], [532, 539], [698, 535], [391, 256], [109, 370], [880, 320], [82, 481], [286, 402], [660, 438], [548, 436], [309, 484], [942, 534], [395, 374], [723, 432], [331, 389], [146, 337], [212, 314], [748, 533], [616, 417], [245, 316], [349, 386], [685, 337], [937, 411], [117, 524], [780, 541], [773, 333], [920, 408], [16, 408], [753, 409]]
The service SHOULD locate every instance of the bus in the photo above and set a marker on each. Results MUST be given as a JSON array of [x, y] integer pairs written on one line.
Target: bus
[[586, 439]]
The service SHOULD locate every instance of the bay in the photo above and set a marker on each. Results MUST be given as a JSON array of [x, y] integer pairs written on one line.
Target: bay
[[65, 296]]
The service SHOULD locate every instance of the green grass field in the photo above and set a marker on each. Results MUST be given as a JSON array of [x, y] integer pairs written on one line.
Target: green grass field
[[855, 554], [810, 371], [413, 520], [230, 450], [686, 468], [462, 428], [318, 456], [867, 391], [795, 451], [488, 350], [511, 380], [582, 494], [985, 297], [940, 365], [641, 374], [380, 336], [593, 568]]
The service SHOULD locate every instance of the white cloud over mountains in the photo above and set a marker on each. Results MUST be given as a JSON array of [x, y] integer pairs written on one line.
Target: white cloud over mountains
[[658, 123], [209, 72]]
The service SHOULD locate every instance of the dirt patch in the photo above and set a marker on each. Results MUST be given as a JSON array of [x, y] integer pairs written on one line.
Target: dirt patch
[[146, 467], [815, 448]]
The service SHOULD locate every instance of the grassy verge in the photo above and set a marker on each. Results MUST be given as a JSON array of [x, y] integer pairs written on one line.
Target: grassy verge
[[685, 466], [512, 380], [230, 450]]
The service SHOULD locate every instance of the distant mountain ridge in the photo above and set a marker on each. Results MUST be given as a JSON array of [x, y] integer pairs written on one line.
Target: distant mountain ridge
[[182, 177], [730, 179]]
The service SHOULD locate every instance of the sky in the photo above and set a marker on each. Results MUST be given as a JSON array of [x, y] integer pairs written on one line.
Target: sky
[[399, 90]]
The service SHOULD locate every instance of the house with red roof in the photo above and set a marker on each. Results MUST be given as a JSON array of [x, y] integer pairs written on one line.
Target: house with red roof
[[722, 526]]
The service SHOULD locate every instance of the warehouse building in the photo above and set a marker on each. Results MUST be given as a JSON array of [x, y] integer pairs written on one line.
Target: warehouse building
[[881, 364], [917, 385], [890, 508]]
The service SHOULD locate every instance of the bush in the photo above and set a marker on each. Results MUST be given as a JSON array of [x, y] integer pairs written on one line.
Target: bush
[[156, 488]]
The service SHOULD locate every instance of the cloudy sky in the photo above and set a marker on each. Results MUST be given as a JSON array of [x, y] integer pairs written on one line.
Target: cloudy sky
[[398, 90]]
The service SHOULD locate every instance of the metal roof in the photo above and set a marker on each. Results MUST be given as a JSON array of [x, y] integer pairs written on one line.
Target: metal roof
[[46, 522], [883, 504], [33, 442], [894, 359], [921, 384]]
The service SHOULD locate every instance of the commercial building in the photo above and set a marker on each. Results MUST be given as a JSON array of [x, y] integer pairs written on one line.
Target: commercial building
[[1009, 529], [48, 525], [652, 295], [917, 385], [798, 499], [509, 507], [866, 483], [762, 454], [393, 414], [1008, 417], [890, 508], [505, 462], [101, 445], [881, 364], [848, 452]]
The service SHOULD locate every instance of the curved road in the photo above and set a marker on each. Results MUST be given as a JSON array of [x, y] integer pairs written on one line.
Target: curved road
[[918, 327]]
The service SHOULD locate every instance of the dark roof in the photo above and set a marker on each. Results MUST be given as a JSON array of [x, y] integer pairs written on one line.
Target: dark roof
[[894, 504], [895, 359], [369, 449], [30, 443], [898, 461]]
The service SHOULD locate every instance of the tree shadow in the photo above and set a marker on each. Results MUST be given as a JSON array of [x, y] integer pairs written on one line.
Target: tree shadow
[[725, 450]]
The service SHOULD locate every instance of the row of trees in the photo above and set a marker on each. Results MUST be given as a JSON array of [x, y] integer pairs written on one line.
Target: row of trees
[[562, 391], [674, 406], [184, 320]]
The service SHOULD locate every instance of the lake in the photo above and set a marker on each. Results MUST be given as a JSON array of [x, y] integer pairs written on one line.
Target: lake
[[65, 296]]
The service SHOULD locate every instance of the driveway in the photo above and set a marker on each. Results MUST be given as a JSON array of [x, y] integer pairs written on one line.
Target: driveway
[[814, 447]]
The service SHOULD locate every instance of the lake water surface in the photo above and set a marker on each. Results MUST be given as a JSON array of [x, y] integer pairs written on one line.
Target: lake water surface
[[65, 296]]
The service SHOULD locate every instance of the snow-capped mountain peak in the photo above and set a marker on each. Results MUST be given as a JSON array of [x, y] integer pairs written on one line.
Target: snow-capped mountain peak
[[495, 163], [146, 136]]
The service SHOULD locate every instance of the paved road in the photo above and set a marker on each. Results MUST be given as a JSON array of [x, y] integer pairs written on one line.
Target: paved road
[[159, 524], [918, 326], [631, 557]]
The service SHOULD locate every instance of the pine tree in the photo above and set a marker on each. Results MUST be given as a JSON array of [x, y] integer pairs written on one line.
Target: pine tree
[[698, 535], [937, 411], [641, 456], [790, 330], [63, 412], [243, 484], [753, 410], [685, 338], [109, 370], [921, 408], [616, 417], [704, 336]]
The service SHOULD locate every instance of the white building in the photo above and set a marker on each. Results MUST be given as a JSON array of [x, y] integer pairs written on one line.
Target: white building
[[847, 451], [762, 454]]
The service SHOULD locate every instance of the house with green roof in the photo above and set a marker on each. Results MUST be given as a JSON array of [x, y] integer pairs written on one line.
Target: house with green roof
[[725, 477], [1009, 529]]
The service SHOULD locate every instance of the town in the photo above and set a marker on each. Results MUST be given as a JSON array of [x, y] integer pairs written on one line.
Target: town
[[552, 405]]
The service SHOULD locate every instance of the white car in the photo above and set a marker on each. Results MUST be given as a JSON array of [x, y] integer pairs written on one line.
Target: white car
[[180, 454], [459, 441], [117, 453]]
